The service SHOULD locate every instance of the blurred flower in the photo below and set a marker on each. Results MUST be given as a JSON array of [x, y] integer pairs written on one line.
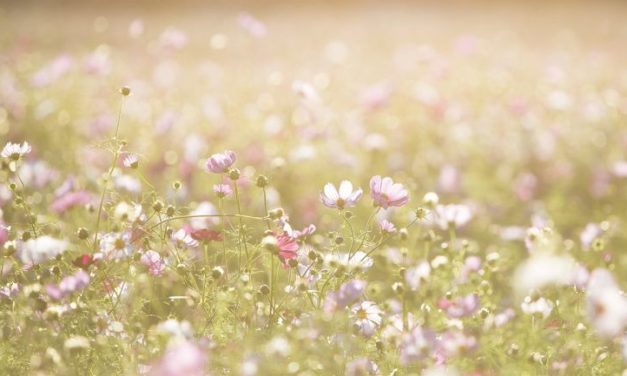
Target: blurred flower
[[607, 304], [416, 345], [589, 234], [252, 25], [68, 285], [182, 239], [460, 307], [219, 163], [70, 200], [361, 367], [540, 305], [131, 160], [417, 275], [15, 151], [543, 270], [367, 317], [387, 226], [386, 193], [153, 261], [345, 197], [288, 248], [452, 215], [37, 250], [222, 190], [357, 261], [345, 295], [182, 358]]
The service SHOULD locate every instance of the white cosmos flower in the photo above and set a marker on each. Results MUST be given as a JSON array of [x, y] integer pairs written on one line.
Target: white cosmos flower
[[356, 261], [15, 151], [606, 304], [542, 270], [40, 249], [341, 198]]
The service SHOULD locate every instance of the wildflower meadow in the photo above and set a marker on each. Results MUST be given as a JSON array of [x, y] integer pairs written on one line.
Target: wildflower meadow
[[313, 188]]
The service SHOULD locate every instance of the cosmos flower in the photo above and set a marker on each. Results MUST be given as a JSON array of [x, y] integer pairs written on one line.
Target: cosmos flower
[[181, 358], [222, 190], [461, 306], [153, 261], [355, 262], [455, 216], [606, 304], [345, 295], [37, 250], [345, 197], [541, 305], [367, 317], [68, 285], [15, 151], [387, 226], [415, 276], [182, 239], [287, 246], [417, 345], [385, 193], [131, 161], [115, 245], [220, 163], [70, 200]]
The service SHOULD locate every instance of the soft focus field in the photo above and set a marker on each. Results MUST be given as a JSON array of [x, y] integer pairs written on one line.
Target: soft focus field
[[189, 227]]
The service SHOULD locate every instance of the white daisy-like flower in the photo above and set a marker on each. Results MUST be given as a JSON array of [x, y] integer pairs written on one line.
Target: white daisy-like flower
[[131, 161], [115, 245], [15, 151], [368, 317]]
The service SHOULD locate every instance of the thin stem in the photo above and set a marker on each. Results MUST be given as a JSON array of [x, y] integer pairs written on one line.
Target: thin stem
[[116, 155]]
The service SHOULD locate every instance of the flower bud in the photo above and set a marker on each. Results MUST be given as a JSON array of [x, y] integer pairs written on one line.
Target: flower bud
[[262, 181], [82, 233], [264, 290], [125, 91], [234, 174], [217, 272]]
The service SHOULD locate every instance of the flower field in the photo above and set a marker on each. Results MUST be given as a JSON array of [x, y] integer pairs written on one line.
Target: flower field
[[313, 188]]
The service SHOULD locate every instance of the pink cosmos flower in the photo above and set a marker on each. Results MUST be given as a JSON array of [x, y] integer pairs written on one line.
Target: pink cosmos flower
[[345, 197], [387, 226], [288, 248], [68, 285], [386, 193], [347, 294], [153, 261], [460, 307], [70, 200], [222, 190], [182, 358], [219, 163]]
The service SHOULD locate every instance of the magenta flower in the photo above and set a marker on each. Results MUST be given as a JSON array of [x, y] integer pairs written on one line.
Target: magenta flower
[[386, 193], [288, 248], [345, 197], [220, 162]]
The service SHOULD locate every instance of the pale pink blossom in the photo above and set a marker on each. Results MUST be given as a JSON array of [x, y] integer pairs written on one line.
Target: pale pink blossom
[[153, 261], [386, 193], [220, 162]]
